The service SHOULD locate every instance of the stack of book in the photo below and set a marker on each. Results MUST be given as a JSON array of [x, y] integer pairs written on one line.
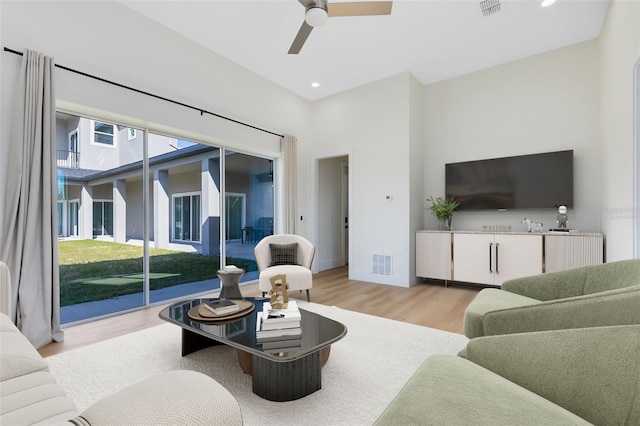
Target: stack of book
[[279, 330]]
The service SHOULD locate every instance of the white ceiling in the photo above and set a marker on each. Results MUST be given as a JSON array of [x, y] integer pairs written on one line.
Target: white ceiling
[[433, 40]]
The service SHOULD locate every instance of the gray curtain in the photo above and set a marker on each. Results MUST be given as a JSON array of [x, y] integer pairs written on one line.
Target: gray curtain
[[30, 245], [289, 151]]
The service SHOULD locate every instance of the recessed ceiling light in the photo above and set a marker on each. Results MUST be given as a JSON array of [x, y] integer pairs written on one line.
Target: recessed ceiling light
[[546, 3], [315, 84]]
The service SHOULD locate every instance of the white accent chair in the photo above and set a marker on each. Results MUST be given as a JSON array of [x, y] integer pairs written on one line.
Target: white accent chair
[[298, 274]]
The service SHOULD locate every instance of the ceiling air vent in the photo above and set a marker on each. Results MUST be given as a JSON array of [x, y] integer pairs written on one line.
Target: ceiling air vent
[[490, 7]]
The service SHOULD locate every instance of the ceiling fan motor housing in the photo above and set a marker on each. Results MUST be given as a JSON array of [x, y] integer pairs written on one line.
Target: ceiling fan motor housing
[[316, 13]]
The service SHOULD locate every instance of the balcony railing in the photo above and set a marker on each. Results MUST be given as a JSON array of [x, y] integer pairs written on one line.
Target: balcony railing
[[68, 159]]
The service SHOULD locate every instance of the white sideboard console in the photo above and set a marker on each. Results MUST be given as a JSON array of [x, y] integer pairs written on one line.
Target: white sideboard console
[[490, 258]]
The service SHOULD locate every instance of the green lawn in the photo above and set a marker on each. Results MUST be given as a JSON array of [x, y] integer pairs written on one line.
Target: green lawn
[[96, 270]]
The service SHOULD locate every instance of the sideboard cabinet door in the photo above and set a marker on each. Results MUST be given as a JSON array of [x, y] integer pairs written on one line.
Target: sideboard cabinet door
[[433, 255], [494, 258]]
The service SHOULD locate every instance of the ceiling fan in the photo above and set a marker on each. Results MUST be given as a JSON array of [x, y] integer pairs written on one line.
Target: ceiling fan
[[317, 12]]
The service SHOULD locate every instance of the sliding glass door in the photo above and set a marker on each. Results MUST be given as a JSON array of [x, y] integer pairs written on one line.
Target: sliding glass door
[[187, 203]]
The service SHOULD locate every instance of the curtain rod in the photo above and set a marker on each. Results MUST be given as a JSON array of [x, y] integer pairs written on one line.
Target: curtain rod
[[202, 111]]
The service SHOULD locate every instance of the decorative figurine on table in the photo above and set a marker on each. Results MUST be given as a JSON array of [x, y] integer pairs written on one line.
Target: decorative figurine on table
[[278, 292], [562, 217], [532, 226]]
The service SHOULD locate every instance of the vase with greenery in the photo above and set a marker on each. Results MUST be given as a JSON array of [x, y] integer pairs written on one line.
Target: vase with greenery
[[443, 210]]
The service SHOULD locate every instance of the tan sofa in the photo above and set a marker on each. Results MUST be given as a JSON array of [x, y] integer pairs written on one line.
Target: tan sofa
[[30, 395]]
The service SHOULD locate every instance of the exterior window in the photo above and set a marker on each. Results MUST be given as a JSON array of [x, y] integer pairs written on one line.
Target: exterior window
[[186, 217], [131, 133], [102, 218], [104, 133]]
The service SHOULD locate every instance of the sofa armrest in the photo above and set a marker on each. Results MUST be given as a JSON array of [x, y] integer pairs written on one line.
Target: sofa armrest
[[609, 308], [592, 372], [549, 286], [5, 290], [174, 398]]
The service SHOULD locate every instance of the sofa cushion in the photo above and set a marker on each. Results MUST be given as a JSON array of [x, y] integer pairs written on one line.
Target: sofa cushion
[[28, 392], [610, 276], [488, 300], [32, 399], [451, 390], [18, 357]]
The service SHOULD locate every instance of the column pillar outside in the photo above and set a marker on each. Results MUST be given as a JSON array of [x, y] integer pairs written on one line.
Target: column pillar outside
[[120, 211], [161, 209], [210, 207], [85, 213]]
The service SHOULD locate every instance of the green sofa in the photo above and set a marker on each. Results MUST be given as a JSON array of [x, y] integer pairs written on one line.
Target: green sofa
[[561, 377], [591, 296]]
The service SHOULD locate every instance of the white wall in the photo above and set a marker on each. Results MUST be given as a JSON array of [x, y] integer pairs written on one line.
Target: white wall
[[371, 125], [548, 102], [147, 56], [619, 46]]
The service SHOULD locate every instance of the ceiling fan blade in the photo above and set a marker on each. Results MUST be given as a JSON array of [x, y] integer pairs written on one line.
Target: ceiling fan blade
[[363, 8], [301, 37]]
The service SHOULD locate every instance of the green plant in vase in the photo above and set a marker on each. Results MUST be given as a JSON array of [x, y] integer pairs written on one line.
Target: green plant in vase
[[443, 210]]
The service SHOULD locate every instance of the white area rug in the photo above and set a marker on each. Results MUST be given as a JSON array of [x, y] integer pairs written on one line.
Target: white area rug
[[365, 371]]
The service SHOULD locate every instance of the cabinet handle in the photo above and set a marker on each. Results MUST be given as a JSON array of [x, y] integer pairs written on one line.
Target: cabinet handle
[[497, 251], [490, 259]]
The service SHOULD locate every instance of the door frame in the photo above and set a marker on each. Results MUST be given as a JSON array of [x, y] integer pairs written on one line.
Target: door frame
[[347, 234]]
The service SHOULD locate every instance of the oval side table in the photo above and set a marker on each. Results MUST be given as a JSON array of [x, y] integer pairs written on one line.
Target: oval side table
[[229, 283]]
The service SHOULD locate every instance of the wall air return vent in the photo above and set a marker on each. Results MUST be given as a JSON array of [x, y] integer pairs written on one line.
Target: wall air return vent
[[490, 7], [381, 265]]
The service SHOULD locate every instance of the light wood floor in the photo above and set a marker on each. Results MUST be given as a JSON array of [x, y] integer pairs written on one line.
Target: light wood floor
[[431, 305]]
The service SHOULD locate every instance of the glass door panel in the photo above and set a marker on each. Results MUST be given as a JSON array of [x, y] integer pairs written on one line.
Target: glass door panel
[[101, 267], [249, 207], [184, 242]]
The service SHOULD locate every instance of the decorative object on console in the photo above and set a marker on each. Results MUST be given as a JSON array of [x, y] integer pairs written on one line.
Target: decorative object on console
[[562, 217], [532, 226], [443, 210], [496, 227]]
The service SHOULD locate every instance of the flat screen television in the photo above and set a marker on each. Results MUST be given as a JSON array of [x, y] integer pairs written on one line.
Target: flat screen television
[[536, 181]]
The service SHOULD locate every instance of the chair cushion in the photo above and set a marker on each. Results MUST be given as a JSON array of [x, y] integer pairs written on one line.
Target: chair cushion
[[284, 254], [298, 277], [488, 300]]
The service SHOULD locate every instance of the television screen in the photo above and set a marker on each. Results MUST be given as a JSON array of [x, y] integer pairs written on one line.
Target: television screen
[[534, 181]]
